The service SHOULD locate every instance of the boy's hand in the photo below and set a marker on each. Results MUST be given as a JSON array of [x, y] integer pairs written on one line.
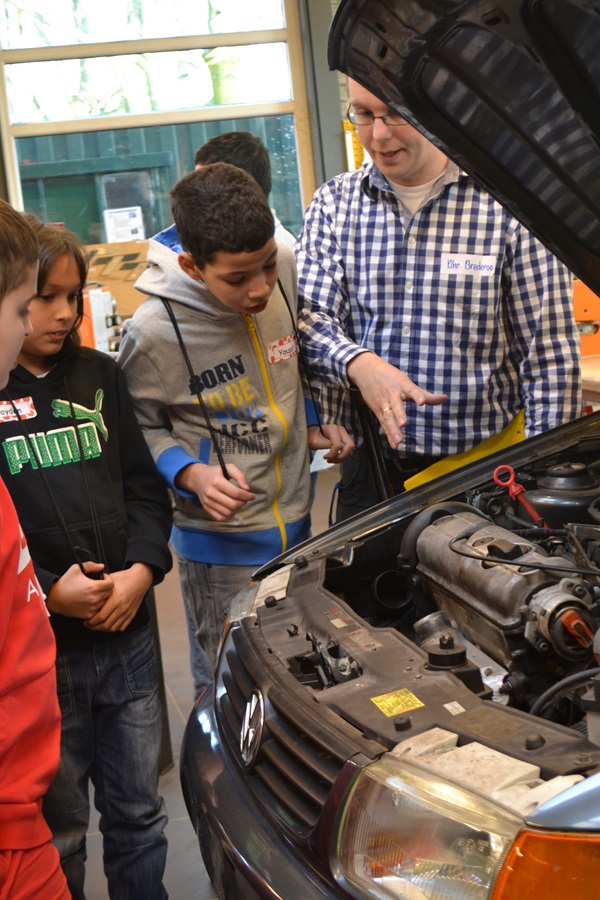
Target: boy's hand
[[76, 595], [130, 587], [335, 438], [220, 498]]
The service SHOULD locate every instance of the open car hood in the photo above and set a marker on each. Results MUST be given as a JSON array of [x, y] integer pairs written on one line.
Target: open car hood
[[340, 541], [509, 89]]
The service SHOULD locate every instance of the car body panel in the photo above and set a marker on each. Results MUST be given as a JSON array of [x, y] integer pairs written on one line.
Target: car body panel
[[244, 856], [318, 636], [577, 809]]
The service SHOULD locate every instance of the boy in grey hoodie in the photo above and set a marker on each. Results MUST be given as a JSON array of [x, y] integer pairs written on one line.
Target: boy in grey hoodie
[[234, 451]]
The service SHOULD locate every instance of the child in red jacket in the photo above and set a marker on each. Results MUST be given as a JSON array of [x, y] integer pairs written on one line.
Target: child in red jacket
[[29, 713]]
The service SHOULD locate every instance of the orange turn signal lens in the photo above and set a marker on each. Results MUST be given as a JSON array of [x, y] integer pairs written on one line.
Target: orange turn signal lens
[[544, 864]]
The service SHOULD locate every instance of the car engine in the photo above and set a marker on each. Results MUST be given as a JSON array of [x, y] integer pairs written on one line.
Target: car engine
[[519, 583], [496, 584]]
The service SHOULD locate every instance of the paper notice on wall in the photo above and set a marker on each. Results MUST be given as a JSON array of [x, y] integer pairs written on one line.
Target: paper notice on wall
[[125, 224]]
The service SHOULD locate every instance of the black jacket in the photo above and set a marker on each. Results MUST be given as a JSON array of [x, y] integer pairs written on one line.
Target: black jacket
[[82, 408]]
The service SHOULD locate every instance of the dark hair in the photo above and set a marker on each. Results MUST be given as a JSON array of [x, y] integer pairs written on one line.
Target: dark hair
[[242, 149], [18, 248], [56, 241], [220, 208]]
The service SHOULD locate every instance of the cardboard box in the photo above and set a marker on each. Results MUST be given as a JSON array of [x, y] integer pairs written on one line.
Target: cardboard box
[[117, 267]]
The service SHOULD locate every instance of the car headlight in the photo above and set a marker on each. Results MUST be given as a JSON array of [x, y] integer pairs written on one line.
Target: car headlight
[[408, 834]]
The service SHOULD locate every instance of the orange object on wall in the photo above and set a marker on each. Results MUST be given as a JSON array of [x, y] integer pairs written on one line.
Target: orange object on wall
[[587, 315], [86, 329]]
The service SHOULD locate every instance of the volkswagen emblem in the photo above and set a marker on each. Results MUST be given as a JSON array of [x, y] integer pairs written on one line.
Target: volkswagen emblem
[[252, 728]]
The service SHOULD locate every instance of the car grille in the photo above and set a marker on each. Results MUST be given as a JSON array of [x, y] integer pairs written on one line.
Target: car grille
[[300, 757]]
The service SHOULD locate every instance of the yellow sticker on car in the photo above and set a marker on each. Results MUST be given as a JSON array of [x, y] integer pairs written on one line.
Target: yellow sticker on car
[[397, 702]]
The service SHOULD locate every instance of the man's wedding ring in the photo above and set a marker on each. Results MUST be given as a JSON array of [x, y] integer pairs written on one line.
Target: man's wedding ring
[[387, 409]]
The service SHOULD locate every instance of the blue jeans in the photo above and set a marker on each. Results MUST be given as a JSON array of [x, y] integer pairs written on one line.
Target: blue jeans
[[199, 665], [207, 592], [111, 730]]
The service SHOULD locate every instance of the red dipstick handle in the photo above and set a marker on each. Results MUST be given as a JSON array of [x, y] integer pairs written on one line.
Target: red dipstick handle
[[517, 492]]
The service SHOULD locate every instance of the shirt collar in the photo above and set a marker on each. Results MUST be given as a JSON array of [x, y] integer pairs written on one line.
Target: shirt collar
[[374, 183]]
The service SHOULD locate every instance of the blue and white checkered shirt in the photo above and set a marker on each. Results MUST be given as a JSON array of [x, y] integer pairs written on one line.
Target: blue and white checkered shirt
[[460, 296]]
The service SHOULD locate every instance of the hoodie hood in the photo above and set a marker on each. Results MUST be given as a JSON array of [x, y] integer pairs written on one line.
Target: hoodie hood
[[164, 277], [58, 372]]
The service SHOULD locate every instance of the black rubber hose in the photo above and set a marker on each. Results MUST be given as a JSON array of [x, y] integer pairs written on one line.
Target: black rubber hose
[[561, 687]]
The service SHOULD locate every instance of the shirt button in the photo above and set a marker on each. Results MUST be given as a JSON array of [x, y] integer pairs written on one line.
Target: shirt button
[[412, 240], [409, 285], [406, 330]]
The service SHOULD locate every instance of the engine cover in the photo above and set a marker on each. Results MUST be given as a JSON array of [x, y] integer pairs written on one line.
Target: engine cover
[[485, 577]]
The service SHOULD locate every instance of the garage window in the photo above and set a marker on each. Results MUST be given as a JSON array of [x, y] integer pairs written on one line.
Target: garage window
[[110, 100]]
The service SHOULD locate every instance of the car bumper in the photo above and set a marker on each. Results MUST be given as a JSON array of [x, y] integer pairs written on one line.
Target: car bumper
[[245, 857]]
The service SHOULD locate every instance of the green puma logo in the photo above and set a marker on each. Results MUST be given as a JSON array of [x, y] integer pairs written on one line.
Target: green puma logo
[[64, 410]]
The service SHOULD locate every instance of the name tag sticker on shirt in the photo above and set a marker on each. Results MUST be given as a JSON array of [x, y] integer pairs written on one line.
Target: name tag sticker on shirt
[[24, 406], [284, 348], [467, 264]]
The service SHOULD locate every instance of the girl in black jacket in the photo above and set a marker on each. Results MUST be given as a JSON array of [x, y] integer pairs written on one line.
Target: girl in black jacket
[[97, 520]]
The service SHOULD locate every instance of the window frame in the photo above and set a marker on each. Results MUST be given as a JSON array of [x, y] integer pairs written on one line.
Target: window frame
[[298, 106]]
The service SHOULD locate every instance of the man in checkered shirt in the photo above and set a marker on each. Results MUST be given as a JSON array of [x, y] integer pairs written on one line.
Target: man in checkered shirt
[[416, 285]]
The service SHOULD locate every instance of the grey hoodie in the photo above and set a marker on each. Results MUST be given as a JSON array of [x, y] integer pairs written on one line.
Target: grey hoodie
[[248, 366]]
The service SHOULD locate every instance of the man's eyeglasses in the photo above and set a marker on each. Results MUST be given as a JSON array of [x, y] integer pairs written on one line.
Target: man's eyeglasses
[[364, 118]]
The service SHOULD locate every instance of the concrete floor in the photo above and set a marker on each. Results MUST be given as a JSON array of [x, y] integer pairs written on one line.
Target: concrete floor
[[185, 876]]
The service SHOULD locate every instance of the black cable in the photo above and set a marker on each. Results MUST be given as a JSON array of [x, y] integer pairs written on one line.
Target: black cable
[[561, 687], [101, 552], [196, 388], [75, 550], [517, 563], [195, 383], [302, 358]]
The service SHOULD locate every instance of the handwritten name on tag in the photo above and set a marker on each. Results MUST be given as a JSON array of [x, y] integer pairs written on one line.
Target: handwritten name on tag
[[468, 264], [25, 408], [284, 348]]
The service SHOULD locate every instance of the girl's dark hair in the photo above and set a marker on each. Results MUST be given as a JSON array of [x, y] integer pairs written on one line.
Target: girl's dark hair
[[56, 241]]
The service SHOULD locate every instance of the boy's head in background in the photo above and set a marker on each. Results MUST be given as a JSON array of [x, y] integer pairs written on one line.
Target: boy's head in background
[[242, 149], [226, 230], [19, 253]]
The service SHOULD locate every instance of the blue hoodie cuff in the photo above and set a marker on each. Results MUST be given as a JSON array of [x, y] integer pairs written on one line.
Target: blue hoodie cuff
[[170, 463], [312, 411]]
